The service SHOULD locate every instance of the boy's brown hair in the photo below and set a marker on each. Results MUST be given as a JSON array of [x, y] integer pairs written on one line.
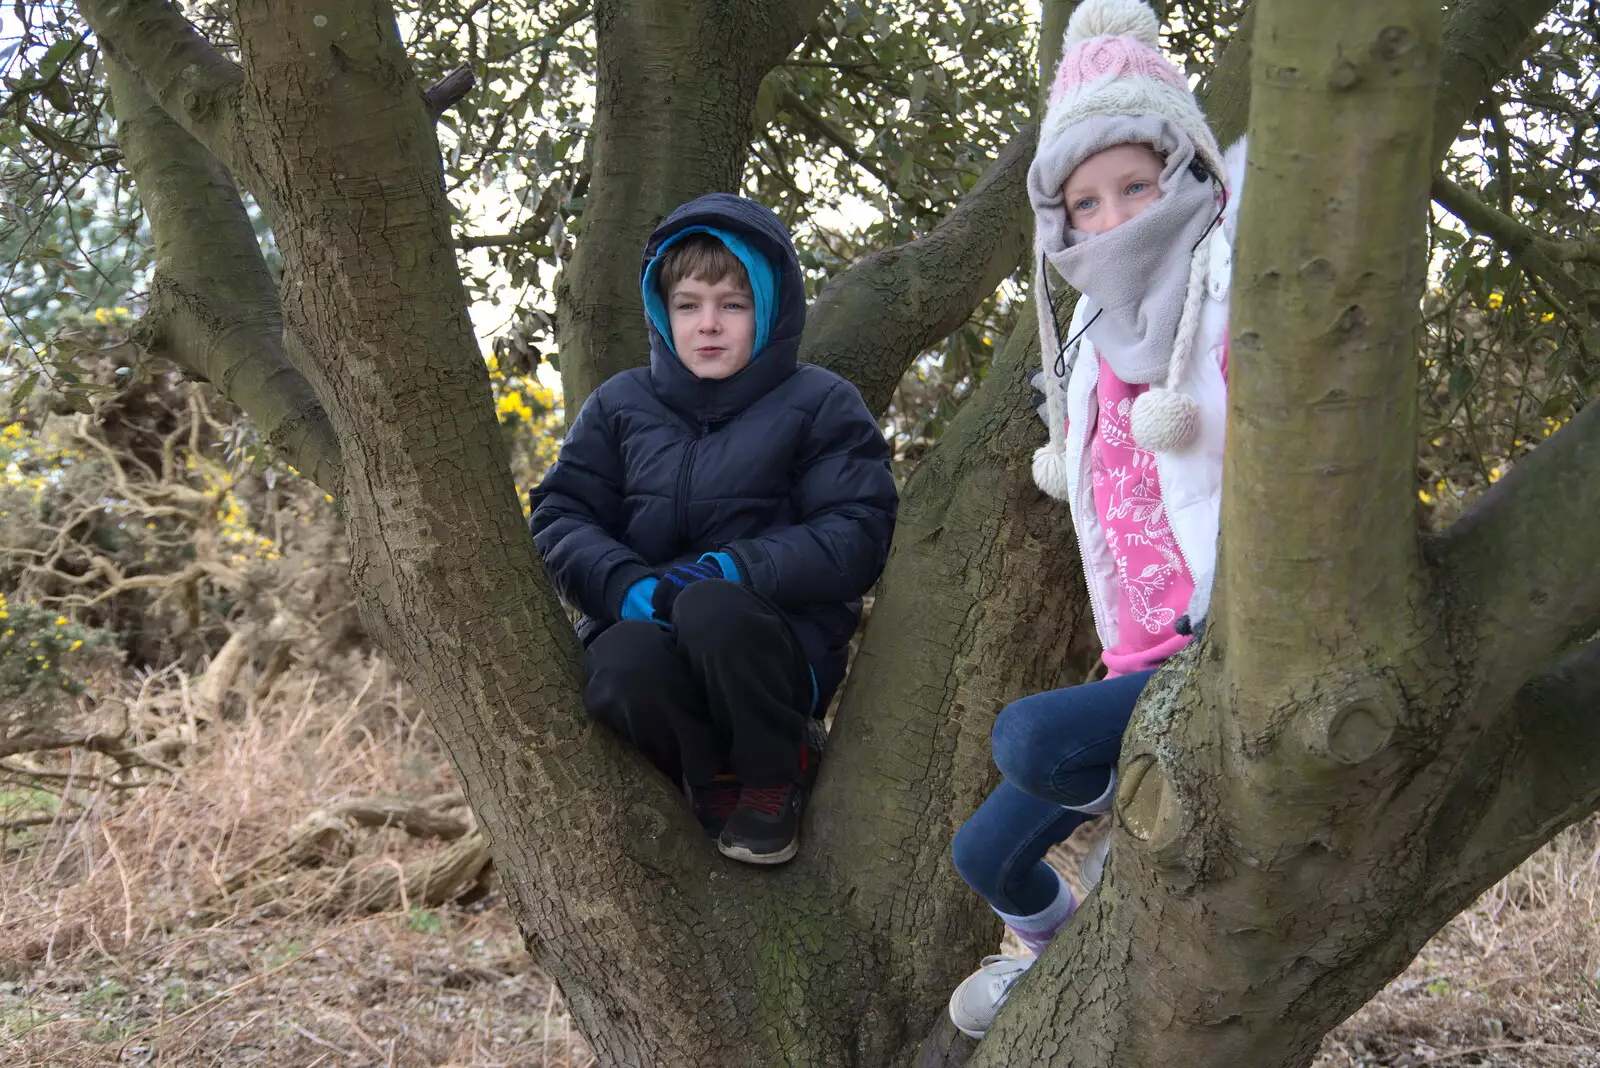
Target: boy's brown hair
[[703, 258]]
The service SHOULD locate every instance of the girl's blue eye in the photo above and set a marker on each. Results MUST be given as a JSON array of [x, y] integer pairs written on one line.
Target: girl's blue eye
[[1084, 205], [1137, 187]]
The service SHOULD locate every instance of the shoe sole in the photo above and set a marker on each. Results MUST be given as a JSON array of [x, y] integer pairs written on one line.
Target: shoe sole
[[745, 856]]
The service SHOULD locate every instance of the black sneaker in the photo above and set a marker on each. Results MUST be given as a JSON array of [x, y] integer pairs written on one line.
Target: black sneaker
[[714, 802], [765, 827]]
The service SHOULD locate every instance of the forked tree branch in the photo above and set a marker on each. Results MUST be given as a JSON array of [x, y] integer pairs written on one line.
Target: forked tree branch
[[213, 304], [1536, 252], [870, 322], [191, 80], [1520, 562], [823, 127]]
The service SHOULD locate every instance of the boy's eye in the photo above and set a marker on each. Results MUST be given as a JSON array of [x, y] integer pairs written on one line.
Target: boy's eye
[[734, 305], [683, 305]]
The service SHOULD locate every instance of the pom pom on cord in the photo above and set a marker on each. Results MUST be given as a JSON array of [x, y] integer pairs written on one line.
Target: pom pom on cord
[[1163, 420], [1114, 18], [1050, 470]]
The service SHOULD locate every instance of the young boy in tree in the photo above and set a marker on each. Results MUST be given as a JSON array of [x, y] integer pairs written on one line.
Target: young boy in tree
[[717, 517]]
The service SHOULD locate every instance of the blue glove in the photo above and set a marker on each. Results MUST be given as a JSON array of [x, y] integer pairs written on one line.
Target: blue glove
[[636, 602], [678, 579]]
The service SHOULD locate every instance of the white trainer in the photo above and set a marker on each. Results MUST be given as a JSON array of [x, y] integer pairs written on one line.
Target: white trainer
[[976, 1002]]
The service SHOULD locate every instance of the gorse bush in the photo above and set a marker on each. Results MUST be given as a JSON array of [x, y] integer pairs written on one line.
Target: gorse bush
[[43, 653]]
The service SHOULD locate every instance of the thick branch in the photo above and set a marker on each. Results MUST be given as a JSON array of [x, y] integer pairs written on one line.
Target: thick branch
[[1532, 250], [535, 229], [1226, 92], [1053, 21], [213, 304], [1322, 407], [191, 80], [1482, 41], [790, 21], [1521, 562], [869, 323], [448, 91], [1514, 236], [1535, 773]]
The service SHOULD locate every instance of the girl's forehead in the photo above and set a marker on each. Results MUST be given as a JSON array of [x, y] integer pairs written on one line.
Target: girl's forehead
[[1128, 154]]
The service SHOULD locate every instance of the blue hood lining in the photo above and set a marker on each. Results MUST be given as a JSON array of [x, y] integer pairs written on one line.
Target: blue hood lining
[[763, 285]]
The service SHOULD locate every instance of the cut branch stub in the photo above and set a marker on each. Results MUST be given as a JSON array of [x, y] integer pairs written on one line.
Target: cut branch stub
[[1354, 729], [1147, 804]]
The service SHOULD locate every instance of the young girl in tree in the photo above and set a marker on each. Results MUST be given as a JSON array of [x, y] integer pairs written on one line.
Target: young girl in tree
[[1131, 210]]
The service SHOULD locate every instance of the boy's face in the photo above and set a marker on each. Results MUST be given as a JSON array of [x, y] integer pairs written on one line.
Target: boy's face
[[1111, 187], [713, 326]]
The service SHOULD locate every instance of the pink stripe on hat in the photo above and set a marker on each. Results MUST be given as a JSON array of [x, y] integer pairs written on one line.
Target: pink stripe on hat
[[1112, 57]]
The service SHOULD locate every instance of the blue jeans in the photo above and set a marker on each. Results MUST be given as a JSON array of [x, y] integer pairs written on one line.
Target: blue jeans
[[1055, 749]]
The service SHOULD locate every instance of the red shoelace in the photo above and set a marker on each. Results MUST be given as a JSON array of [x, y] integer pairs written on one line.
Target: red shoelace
[[723, 799], [768, 801]]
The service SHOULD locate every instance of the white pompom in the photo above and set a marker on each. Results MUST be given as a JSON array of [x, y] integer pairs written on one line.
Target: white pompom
[[1121, 18], [1164, 420], [1050, 470]]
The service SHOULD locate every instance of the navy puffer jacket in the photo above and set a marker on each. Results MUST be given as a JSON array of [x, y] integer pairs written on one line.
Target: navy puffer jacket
[[780, 465]]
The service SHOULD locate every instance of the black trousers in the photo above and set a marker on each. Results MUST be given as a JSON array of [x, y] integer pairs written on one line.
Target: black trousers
[[725, 689]]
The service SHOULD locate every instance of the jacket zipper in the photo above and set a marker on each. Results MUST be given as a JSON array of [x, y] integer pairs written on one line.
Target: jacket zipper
[[683, 483]]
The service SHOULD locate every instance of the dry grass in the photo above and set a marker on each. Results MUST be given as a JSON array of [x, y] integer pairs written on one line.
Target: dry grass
[[1510, 982], [117, 950], [120, 948]]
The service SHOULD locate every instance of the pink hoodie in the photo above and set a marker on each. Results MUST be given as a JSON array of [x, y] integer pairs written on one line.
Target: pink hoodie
[[1154, 585]]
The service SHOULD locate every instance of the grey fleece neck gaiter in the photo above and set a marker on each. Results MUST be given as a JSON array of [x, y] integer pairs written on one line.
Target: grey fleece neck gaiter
[[1136, 275]]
